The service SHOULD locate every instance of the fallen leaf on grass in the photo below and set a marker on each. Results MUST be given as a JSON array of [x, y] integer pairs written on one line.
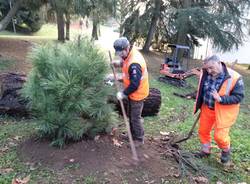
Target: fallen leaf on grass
[[176, 175], [97, 138], [164, 133], [6, 171], [12, 144], [219, 182], [114, 131], [166, 138], [201, 180], [116, 142], [229, 167], [146, 156], [17, 138], [4, 149], [21, 181]]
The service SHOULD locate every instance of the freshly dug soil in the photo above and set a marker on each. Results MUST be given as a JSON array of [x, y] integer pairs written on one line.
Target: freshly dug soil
[[101, 159]]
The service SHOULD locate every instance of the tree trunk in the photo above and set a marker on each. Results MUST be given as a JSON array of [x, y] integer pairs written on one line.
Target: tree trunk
[[67, 26], [94, 31], [153, 25], [95, 26], [132, 4], [60, 25], [182, 32], [4, 23]]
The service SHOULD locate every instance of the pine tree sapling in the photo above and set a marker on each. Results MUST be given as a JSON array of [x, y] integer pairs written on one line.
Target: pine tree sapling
[[66, 91]]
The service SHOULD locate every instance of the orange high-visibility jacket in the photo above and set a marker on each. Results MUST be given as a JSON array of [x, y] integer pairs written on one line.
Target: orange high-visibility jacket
[[143, 89], [226, 115]]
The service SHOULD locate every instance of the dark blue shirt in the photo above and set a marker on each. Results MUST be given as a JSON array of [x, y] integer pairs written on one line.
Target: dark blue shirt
[[209, 86], [135, 74]]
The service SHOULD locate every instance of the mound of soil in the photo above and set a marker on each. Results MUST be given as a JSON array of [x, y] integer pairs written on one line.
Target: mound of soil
[[102, 159]]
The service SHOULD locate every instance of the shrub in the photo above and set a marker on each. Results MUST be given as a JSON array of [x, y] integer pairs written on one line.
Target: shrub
[[66, 91]]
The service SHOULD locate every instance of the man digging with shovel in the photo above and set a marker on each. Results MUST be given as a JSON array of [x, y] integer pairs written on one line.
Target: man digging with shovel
[[220, 92], [136, 85]]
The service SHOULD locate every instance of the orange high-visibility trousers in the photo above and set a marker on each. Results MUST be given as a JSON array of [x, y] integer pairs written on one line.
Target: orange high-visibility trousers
[[207, 123]]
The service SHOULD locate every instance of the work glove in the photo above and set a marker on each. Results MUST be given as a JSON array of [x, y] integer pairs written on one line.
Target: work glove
[[120, 95], [117, 63], [110, 77]]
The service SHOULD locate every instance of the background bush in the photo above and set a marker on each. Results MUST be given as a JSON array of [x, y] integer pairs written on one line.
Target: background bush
[[67, 92]]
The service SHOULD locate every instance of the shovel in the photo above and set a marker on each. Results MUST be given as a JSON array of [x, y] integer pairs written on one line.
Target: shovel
[[132, 145], [190, 132]]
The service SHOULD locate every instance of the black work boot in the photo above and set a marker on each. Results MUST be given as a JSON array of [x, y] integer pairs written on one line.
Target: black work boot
[[225, 156], [201, 154]]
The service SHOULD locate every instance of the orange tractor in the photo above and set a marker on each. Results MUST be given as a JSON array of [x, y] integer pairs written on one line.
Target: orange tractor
[[172, 69]]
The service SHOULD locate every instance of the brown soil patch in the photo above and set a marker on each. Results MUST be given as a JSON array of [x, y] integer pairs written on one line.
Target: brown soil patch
[[16, 50], [102, 159]]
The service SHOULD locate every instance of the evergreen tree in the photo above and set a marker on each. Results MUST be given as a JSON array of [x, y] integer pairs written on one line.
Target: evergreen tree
[[24, 11], [67, 93], [137, 20], [185, 21], [123, 9], [98, 10]]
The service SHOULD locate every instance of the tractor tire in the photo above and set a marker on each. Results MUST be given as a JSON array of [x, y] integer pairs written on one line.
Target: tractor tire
[[151, 106], [173, 81], [152, 103], [11, 102]]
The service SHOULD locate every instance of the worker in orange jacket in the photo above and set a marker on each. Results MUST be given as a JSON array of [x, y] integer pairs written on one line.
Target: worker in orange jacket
[[220, 92], [136, 85]]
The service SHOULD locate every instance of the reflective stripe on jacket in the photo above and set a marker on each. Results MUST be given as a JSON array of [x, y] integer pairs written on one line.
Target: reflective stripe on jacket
[[225, 114], [143, 89]]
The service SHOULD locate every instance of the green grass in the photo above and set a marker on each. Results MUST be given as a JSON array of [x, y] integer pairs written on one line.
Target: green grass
[[169, 117], [12, 132], [174, 108], [6, 64], [47, 32], [90, 180]]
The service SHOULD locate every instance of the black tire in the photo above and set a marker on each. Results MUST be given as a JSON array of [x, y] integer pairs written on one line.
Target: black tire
[[173, 81], [152, 103]]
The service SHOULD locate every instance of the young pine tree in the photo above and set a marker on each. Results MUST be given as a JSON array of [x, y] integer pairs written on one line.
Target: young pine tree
[[66, 91]]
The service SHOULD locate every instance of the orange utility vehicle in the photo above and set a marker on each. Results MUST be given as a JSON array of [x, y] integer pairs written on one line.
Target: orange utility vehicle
[[172, 69]]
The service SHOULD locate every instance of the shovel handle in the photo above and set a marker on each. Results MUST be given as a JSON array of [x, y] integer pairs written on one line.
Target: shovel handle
[[190, 132], [132, 145], [194, 125]]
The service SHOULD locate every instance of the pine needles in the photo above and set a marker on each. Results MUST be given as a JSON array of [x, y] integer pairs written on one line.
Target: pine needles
[[66, 91]]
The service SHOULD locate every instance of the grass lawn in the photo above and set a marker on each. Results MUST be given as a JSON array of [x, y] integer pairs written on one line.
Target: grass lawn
[[5, 64], [176, 115], [47, 32]]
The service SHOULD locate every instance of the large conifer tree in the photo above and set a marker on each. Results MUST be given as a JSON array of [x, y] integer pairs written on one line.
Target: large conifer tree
[[185, 21]]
